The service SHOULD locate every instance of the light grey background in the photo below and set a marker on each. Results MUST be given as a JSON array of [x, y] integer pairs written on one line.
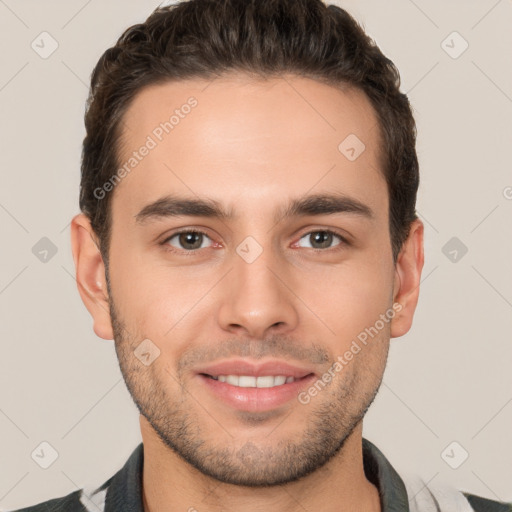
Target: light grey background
[[448, 379]]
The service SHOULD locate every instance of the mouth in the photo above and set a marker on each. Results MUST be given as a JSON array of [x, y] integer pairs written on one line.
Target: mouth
[[250, 381], [247, 387]]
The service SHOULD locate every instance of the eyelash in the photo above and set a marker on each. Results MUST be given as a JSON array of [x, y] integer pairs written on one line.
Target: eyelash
[[167, 247]]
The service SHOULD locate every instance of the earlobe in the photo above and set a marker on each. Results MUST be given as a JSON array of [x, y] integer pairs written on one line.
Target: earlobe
[[407, 280], [90, 275]]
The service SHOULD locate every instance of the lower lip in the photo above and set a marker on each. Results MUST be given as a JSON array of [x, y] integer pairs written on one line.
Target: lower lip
[[256, 399]]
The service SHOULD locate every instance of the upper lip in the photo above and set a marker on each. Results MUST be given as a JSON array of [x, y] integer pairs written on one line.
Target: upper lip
[[243, 367]]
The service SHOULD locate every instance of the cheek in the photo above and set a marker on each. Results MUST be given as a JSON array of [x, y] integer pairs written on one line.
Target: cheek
[[158, 301], [138, 288], [353, 296]]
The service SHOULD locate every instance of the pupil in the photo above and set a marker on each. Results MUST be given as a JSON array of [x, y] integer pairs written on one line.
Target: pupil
[[188, 239]]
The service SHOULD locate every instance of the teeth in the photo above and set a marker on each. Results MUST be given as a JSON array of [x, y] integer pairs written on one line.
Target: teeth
[[266, 382], [232, 379], [279, 380], [246, 381], [249, 381]]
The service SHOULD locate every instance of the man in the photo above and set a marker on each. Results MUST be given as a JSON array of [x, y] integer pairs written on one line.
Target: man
[[248, 238]]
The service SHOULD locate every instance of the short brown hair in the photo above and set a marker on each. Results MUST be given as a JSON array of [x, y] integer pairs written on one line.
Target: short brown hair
[[263, 38]]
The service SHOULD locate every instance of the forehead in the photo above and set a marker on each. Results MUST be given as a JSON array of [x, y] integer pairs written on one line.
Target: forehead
[[236, 138]]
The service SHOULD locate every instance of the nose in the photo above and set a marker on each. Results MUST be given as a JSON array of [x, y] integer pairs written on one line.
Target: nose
[[258, 298]]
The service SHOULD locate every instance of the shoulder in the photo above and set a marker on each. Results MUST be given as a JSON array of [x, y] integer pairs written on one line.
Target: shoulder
[[441, 496], [125, 486], [69, 503], [90, 498], [479, 504]]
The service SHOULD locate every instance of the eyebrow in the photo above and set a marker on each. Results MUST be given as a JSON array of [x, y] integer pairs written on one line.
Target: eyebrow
[[312, 205]]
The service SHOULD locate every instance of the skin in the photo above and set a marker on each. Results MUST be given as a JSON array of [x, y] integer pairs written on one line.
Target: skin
[[252, 146]]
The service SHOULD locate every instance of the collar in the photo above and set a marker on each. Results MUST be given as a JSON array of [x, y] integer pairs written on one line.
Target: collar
[[125, 487], [379, 471]]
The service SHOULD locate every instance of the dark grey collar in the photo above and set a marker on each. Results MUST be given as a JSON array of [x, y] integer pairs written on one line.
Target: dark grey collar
[[378, 470]]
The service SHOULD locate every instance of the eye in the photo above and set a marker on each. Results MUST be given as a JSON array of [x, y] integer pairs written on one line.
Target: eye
[[321, 239], [187, 240]]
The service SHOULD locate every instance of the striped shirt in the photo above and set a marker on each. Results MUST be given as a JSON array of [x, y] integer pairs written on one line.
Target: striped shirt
[[123, 491]]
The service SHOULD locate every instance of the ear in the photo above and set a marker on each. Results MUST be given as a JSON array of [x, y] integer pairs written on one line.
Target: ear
[[406, 287], [90, 275]]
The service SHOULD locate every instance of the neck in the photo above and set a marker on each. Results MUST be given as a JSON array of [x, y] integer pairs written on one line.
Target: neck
[[170, 483]]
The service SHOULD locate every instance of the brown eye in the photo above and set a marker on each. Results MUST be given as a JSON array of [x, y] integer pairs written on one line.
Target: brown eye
[[322, 239], [188, 240]]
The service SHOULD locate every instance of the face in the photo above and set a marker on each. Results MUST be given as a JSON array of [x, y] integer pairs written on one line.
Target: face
[[248, 249]]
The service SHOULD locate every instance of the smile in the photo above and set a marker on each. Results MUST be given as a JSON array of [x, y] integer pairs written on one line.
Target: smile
[[254, 393], [249, 381]]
